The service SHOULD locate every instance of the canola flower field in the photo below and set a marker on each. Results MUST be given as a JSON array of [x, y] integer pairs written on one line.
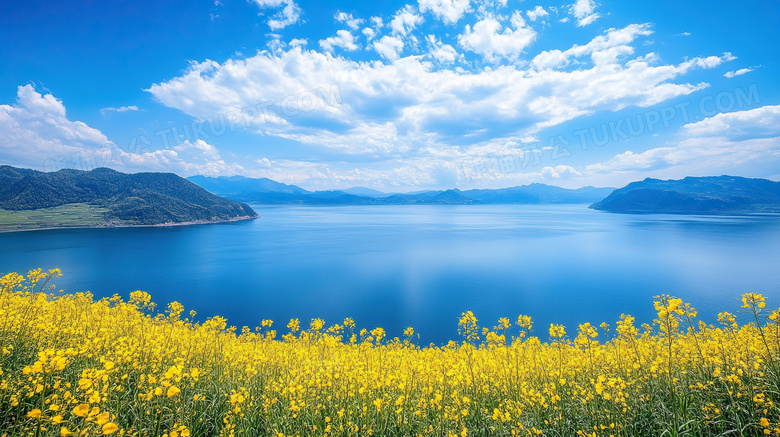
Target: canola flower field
[[75, 366]]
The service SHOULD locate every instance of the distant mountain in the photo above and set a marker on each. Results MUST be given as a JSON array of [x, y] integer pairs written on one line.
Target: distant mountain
[[365, 192], [136, 199], [695, 195], [449, 197], [538, 193], [236, 185], [268, 192]]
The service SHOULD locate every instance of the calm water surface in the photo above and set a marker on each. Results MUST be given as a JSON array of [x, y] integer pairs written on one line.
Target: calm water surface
[[420, 266]]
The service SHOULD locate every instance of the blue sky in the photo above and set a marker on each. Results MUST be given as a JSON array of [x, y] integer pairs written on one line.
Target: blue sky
[[394, 95]]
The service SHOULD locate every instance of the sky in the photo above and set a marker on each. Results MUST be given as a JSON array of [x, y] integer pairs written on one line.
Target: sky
[[394, 95]]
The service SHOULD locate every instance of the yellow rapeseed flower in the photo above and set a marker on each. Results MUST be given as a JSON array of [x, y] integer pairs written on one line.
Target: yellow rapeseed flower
[[109, 428], [344, 380], [103, 418], [750, 299], [557, 331], [81, 410]]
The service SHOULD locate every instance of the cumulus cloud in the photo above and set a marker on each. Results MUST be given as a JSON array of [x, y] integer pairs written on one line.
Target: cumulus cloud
[[369, 33], [343, 39], [603, 49], [409, 100], [584, 12], [352, 22], [185, 159], [426, 106], [405, 20], [205, 149], [489, 38], [36, 132], [744, 142], [559, 172], [36, 128], [287, 12], [763, 121], [537, 13], [389, 47], [441, 52], [449, 11], [409, 108]]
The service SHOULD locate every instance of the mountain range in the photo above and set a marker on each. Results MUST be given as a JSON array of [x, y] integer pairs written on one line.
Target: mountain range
[[268, 192], [107, 197]]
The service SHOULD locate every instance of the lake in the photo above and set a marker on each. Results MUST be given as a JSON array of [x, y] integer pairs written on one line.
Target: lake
[[421, 266]]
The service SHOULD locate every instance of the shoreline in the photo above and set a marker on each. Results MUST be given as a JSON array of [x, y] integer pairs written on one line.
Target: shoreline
[[128, 225]]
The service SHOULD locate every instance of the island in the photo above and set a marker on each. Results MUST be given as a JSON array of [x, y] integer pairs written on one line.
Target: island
[[695, 195], [103, 197]]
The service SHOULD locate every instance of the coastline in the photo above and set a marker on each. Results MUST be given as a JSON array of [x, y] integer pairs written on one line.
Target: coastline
[[110, 225]]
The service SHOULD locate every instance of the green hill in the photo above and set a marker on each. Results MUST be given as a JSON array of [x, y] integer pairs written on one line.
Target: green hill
[[128, 199]]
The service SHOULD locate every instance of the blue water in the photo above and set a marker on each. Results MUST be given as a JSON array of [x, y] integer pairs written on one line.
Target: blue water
[[421, 266]]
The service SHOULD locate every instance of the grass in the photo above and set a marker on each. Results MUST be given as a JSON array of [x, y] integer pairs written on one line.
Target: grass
[[65, 216], [73, 365]]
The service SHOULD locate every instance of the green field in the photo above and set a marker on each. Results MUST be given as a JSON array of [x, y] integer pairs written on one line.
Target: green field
[[65, 216]]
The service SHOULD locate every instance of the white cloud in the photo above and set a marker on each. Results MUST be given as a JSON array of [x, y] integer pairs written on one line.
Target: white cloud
[[119, 109], [185, 159], [629, 161], [274, 42], [389, 47], [743, 142], [441, 52], [491, 40], [369, 33], [36, 129], [392, 175], [352, 22], [36, 132], [550, 59], [584, 11], [763, 121], [420, 108], [740, 72], [206, 149], [343, 39], [269, 3], [289, 14], [298, 42], [405, 20], [603, 49], [559, 172], [537, 13], [449, 11]]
